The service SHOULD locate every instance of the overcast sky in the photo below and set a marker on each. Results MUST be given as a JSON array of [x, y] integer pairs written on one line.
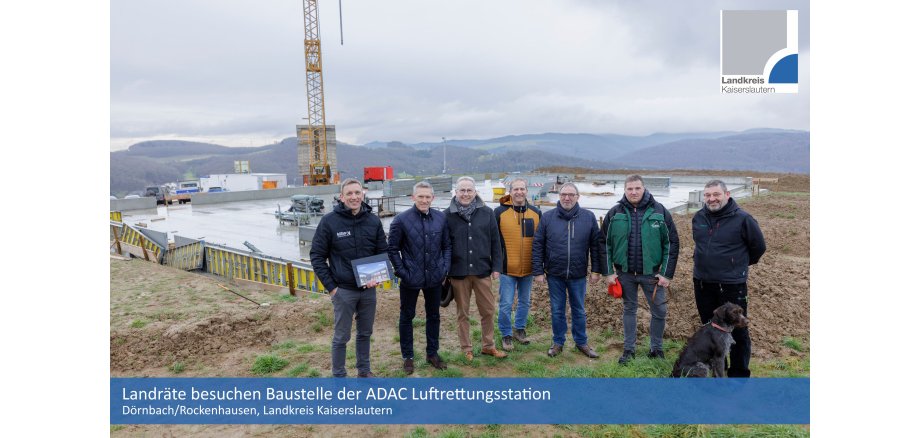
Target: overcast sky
[[232, 72]]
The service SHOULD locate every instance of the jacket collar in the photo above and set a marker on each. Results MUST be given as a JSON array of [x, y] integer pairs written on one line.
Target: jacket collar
[[455, 205], [647, 199], [506, 201], [729, 209], [567, 215], [340, 208]]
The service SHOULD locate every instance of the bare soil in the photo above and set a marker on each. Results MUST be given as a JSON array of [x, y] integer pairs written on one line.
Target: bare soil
[[166, 322]]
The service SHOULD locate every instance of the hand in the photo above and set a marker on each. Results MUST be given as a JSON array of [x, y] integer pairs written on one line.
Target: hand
[[611, 279], [663, 281], [332, 293], [595, 277], [372, 284], [540, 279], [495, 275]]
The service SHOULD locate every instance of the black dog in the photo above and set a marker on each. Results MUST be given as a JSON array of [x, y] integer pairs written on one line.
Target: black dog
[[707, 348]]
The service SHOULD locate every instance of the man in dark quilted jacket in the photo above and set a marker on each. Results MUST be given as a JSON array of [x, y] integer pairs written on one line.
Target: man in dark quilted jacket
[[419, 248]]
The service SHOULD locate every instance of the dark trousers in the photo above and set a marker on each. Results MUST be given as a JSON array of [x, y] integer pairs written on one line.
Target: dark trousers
[[408, 298], [360, 306], [709, 296]]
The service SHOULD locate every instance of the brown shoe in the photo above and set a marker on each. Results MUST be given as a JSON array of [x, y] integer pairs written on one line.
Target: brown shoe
[[409, 366], [367, 374], [507, 345], [436, 362], [493, 352], [469, 356], [588, 351], [554, 350], [521, 336]]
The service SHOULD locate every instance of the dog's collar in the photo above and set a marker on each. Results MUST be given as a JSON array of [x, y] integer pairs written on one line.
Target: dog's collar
[[718, 327]]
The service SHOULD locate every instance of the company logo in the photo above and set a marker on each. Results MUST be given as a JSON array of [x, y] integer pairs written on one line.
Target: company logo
[[342, 234], [760, 52]]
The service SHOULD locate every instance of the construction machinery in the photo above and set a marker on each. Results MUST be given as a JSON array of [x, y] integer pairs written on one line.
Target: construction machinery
[[313, 151], [303, 207]]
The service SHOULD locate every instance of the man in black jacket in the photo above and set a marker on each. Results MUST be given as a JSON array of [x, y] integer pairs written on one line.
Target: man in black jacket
[[419, 248], [476, 253], [350, 232], [727, 241]]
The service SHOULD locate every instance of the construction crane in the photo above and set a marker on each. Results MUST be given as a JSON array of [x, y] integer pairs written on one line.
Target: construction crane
[[315, 160]]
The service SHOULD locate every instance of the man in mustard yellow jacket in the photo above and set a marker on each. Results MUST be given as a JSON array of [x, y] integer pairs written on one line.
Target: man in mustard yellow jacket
[[517, 222]]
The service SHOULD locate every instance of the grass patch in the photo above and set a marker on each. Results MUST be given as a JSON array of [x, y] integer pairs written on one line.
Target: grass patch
[[453, 372], [492, 431], [532, 369], [418, 432], [284, 346], [454, 432], [288, 298], [418, 322], [793, 343], [785, 367], [322, 321], [303, 370], [176, 367], [574, 371], [268, 364], [477, 335], [308, 348], [138, 323]]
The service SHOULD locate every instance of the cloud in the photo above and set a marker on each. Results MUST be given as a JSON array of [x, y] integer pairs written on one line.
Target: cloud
[[418, 70]]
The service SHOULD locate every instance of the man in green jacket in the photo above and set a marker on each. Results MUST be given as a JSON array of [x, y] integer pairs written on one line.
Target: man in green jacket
[[642, 249]]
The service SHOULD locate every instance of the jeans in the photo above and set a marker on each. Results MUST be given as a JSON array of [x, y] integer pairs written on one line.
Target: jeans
[[658, 308], [709, 296], [506, 288], [408, 298], [574, 290], [348, 305]]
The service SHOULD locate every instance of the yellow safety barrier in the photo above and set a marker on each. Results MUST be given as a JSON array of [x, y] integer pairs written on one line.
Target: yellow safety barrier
[[230, 263], [139, 245], [223, 261], [187, 257], [115, 216]]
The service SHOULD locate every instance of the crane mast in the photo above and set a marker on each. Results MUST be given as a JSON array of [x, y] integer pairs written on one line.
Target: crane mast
[[312, 145]]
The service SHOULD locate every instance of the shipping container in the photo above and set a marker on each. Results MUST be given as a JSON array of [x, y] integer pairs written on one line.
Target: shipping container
[[378, 173]]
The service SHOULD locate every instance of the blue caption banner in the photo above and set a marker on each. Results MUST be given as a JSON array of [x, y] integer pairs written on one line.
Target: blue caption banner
[[458, 401]]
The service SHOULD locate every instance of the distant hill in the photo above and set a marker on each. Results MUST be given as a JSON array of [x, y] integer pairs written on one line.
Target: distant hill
[[603, 147], [135, 168], [763, 151], [157, 162]]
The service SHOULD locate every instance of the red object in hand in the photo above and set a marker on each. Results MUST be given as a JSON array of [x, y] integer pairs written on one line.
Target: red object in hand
[[615, 290]]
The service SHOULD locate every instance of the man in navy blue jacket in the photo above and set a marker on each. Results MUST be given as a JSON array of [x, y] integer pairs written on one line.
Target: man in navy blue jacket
[[419, 248], [727, 241], [564, 238]]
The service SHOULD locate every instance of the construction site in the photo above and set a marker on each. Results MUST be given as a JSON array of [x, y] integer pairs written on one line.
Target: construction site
[[203, 288]]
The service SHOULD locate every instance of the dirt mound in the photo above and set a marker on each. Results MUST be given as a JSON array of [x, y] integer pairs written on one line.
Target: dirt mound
[[160, 346]]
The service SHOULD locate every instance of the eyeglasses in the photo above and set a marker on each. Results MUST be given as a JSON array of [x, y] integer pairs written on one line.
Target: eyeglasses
[[568, 195]]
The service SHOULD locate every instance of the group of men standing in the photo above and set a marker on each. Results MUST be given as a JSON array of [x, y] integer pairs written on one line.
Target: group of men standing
[[470, 245]]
